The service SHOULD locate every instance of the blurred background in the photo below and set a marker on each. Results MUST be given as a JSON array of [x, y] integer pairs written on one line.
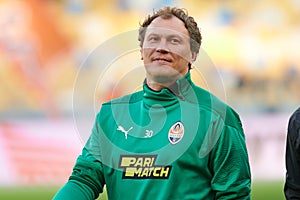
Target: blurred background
[[43, 49]]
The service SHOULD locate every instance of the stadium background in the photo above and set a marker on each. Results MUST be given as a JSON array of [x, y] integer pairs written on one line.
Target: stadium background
[[44, 43]]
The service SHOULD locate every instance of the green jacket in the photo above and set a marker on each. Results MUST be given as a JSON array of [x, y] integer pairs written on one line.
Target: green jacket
[[179, 143]]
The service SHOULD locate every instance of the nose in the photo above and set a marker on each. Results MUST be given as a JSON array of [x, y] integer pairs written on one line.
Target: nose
[[162, 47], [161, 50]]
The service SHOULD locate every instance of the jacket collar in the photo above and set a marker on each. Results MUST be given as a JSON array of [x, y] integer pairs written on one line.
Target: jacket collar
[[168, 96]]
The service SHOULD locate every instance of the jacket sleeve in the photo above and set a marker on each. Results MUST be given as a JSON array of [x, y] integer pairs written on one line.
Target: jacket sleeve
[[292, 183], [74, 190], [230, 165], [87, 179]]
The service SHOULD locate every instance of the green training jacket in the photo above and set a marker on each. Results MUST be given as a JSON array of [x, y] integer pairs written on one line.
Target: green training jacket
[[178, 143]]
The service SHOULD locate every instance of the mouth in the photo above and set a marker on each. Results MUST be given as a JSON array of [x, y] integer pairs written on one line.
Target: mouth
[[160, 59]]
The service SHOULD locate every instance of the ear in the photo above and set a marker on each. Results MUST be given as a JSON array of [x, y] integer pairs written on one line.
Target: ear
[[141, 52], [193, 56]]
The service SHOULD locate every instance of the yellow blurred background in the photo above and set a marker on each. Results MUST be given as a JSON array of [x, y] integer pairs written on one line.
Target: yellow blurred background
[[44, 45]]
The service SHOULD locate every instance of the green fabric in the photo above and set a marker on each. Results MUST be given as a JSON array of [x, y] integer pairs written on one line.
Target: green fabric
[[131, 147], [74, 190]]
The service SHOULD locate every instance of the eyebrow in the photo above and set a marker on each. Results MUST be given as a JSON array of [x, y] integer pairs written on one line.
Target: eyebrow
[[168, 35]]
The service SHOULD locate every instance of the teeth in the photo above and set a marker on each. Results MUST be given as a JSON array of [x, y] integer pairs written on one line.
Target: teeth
[[162, 59]]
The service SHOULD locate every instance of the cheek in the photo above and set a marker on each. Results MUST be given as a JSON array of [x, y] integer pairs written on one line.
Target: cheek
[[146, 54], [183, 57], [184, 52]]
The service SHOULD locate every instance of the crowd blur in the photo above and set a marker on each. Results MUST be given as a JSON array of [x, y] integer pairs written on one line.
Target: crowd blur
[[43, 44]]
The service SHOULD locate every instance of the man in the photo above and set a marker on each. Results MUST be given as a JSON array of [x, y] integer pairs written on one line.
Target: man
[[292, 184], [173, 139]]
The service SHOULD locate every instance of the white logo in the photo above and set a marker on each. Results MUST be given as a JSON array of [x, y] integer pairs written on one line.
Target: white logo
[[149, 134], [176, 133], [120, 128]]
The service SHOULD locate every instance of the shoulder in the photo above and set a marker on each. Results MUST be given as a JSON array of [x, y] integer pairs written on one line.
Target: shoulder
[[126, 99], [118, 106], [294, 122], [296, 115], [219, 108]]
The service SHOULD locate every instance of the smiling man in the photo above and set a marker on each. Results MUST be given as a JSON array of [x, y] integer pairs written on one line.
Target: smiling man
[[181, 142], [166, 51]]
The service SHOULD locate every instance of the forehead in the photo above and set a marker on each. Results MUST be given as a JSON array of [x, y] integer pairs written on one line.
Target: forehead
[[171, 25]]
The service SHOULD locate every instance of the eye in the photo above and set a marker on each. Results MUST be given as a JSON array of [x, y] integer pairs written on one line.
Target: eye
[[153, 39], [174, 40]]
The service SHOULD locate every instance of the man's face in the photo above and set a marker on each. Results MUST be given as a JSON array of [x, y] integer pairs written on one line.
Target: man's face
[[166, 50]]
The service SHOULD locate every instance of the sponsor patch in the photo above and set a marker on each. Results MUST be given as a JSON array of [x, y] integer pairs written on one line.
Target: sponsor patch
[[143, 167], [176, 133]]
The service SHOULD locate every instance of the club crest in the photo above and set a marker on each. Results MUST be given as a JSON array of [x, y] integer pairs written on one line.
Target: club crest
[[176, 133]]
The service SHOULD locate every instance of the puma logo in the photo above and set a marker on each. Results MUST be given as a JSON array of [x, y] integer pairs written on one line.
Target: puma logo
[[120, 128]]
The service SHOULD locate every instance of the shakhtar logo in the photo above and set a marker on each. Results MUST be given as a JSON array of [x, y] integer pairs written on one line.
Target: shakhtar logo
[[143, 167], [176, 133]]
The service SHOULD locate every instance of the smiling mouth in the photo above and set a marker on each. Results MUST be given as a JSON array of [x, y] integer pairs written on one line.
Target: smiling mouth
[[162, 60]]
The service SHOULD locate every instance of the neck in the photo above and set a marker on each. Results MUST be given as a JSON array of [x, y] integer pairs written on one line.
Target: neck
[[156, 86], [161, 82]]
